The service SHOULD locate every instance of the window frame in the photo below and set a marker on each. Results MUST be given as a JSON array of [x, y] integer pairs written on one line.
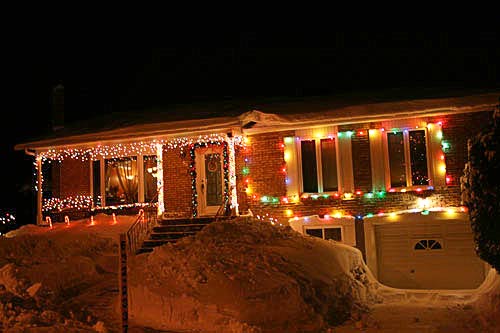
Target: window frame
[[102, 177], [407, 157], [319, 165], [323, 227], [427, 249]]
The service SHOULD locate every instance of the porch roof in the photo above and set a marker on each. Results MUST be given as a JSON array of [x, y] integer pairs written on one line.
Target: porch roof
[[192, 120]]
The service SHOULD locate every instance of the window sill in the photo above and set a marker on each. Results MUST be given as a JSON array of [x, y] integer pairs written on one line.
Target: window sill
[[330, 196], [418, 189]]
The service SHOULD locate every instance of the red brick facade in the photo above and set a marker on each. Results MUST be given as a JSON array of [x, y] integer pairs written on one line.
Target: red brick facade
[[456, 130], [177, 183], [70, 178], [261, 163]]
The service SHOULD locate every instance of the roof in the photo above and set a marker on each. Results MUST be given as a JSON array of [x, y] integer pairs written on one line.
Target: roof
[[290, 113]]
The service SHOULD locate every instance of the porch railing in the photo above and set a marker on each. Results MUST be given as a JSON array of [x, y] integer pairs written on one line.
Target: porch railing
[[141, 229], [129, 244], [222, 210]]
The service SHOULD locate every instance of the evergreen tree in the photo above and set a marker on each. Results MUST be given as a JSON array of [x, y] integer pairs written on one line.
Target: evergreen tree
[[481, 191]]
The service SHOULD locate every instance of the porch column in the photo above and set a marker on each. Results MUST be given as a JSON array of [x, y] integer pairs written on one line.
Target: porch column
[[39, 190], [159, 178], [140, 178], [232, 174]]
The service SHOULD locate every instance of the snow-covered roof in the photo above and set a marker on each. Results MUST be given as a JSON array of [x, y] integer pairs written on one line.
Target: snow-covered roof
[[269, 116]]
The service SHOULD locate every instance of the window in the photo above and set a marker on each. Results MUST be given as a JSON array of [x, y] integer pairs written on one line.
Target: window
[[319, 165], [96, 178], [121, 179], [428, 244], [150, 174], [407, 158], [334, 233]]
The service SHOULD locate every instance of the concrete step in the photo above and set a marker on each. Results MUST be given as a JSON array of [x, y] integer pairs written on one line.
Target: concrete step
[[171, 235], [144, 250], [179, 227], [156, 242], [199, 220]]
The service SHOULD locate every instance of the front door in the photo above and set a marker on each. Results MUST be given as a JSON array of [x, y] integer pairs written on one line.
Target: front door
[[210, 180]]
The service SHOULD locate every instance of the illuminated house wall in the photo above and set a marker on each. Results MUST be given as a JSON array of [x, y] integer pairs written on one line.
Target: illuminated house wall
[[284, 152], [177, 183], [266, 172], [71, 178]]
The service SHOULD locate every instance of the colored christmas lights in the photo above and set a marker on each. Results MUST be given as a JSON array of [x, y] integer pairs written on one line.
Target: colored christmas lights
[[192, 171]]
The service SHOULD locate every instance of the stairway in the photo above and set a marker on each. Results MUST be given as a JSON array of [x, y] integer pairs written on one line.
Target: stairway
[[170, 230]]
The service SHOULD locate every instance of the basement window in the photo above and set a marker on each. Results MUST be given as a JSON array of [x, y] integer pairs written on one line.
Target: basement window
[[334, 233]]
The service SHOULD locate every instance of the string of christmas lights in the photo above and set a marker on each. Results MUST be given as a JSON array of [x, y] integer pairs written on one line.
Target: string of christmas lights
[[78, 202], [192, 172], [132, 148], [83, 202], [7, 219]]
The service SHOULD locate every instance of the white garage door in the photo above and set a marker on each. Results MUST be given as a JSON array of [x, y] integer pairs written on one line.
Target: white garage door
[[427, 255]]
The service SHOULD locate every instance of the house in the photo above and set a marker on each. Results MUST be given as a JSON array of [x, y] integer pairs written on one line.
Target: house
[[379, 174]]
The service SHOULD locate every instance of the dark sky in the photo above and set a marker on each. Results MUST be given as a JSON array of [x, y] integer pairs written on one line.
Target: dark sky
[[109, 76]]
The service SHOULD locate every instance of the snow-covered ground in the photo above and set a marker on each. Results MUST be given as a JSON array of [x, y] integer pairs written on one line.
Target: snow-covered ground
[[232, 277], [61, 279]]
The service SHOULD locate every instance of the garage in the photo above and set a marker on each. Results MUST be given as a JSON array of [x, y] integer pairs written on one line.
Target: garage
[[434, 251]]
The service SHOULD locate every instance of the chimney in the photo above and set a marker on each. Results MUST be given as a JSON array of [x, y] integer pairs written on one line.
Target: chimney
[[57, 111]]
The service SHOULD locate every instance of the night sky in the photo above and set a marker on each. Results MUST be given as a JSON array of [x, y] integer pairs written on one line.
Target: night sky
[[104, 77]]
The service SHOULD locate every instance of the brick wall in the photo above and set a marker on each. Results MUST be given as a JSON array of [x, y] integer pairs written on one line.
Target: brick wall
[[241, 153], [457, 129], [358, 205], [265, 163], [177, 183], [74, 178]]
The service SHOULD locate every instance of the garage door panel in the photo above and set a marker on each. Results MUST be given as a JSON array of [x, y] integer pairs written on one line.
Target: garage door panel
[[454, 266]]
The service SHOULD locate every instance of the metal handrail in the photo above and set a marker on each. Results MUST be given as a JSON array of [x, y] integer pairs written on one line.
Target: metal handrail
[[221, 209], [142, 226]]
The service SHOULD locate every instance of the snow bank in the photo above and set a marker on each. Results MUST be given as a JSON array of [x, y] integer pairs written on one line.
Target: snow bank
[[241, 276], [486, 300], [49, 277]]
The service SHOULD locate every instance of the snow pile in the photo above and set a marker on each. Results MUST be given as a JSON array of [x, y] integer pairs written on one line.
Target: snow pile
[[50, 277], [241, 276], [487, 301]]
